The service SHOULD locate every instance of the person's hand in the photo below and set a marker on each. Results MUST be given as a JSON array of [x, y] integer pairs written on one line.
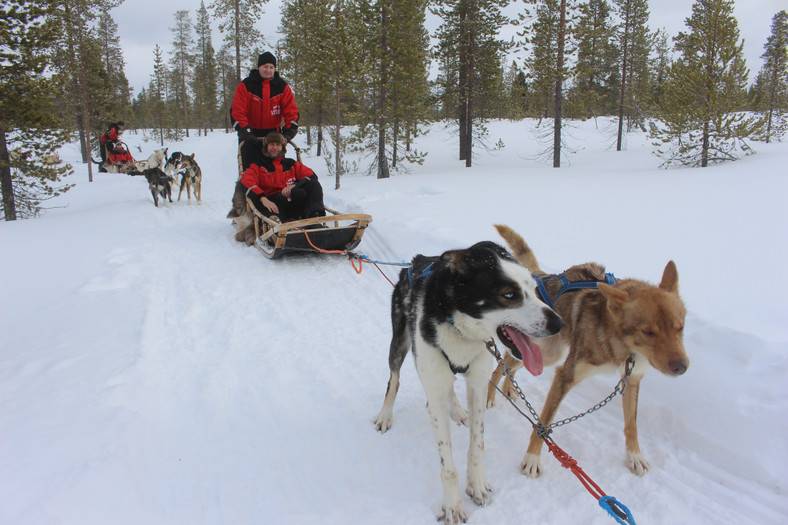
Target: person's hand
[[269, 205], [244, 134], [287, 191], [290, 132]]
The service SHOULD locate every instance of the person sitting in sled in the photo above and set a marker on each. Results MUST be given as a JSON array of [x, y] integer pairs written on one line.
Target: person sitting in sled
[[282, 188], [110, 146]]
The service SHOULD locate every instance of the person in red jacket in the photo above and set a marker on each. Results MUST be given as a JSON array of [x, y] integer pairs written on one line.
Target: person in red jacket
[[263, 103], [107, 143], [281, 187]]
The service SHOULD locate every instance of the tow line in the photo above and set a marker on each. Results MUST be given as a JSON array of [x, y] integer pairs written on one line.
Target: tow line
[[614, 508]]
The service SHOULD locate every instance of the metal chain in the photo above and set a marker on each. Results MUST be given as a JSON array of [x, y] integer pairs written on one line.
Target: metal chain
[[542, 430]]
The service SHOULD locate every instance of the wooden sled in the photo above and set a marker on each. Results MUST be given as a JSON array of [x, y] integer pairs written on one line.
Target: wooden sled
[[126, 168], [334, 233]]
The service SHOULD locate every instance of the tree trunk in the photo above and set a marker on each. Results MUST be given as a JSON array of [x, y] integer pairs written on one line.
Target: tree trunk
[[559, 73], [620, 138], [6, 183]]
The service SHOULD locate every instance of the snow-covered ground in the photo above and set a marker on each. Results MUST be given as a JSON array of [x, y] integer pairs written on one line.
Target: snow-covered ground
[[154, 371]]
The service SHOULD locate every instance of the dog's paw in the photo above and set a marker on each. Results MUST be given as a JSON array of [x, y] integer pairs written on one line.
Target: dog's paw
[[637, 463], [479, 492], [531, 466], [383, 422], [509, 390], [451, 515], [458, 414]]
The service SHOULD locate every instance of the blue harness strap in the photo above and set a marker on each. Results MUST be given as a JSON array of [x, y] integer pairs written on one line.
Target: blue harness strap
[[424, 273], [567, 286]]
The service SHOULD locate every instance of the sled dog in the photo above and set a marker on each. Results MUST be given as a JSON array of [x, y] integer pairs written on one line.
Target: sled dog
[[446, 309], [159, 184], [173, 163], [156, 160], [242, 218], [605, 323], [191, 178]]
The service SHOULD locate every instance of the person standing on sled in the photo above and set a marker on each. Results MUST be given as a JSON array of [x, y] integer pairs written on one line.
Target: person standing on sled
[[282, 188], [263, 103]]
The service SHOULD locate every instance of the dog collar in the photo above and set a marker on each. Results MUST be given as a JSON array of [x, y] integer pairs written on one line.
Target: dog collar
[[567, 286]]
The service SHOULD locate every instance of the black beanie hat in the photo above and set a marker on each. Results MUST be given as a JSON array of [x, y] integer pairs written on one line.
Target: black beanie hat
[[266, 58]]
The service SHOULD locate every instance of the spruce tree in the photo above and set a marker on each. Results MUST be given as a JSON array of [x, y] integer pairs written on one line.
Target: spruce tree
[[772, 83], [701, 113]]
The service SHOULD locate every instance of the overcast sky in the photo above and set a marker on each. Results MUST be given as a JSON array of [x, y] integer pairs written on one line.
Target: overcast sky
[[144, 23]]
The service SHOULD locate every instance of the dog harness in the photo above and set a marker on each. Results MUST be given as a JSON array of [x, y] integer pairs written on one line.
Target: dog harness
[[567, 286], [424, 273]]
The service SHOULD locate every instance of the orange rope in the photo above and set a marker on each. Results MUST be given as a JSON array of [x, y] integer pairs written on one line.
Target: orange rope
[[360, 265], [321, 250]]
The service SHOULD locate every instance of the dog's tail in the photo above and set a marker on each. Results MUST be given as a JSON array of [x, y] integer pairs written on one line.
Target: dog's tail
[[95, 161], [521, 251]]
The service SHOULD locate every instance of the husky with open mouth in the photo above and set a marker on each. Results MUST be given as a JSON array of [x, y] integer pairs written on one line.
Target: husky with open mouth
[[447, 309]]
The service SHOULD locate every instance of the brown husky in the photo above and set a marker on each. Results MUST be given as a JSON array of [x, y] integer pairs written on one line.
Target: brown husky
[[191, 179], [604, 325]]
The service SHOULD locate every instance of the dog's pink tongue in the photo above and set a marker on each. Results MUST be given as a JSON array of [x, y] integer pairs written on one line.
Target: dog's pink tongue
[[532, 354]]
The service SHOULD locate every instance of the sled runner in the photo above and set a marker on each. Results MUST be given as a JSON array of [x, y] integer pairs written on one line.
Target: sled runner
[[333, 233]]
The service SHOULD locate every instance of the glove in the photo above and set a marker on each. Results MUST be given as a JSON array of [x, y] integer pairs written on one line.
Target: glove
[[290, 132], [244, 134]]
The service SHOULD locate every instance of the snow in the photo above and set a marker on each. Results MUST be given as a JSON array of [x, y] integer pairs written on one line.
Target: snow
[[155, 371]]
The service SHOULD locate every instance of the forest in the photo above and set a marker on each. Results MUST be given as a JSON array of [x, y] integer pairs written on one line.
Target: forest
[[374, 68]]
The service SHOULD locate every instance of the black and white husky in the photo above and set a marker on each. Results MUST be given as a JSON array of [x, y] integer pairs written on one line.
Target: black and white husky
[[447, 308]]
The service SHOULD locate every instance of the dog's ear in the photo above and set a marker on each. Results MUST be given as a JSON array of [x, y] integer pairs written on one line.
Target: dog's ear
[[457, 260], [615, 298], [670, 278]]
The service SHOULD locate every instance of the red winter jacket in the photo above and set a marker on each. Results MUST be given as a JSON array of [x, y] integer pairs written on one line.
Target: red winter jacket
[[273, 175], [262, 104], [111, 135]]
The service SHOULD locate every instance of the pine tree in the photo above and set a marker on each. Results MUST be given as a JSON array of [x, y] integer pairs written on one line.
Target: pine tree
[[633, 43], [550, 37], [237, 23], [227, 81], [157, 91], [182, 62], [309, 58], [28, 175], [470, 53], [204, 78], [772, 83], [705, 92], [595, 74], [114, 64], [78, 58], [659, 65]]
